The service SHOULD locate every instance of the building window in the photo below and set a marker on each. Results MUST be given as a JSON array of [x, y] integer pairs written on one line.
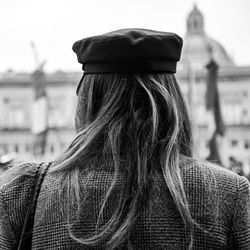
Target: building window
[[52, 149], [16, 148], [234, 143], [247, 144]]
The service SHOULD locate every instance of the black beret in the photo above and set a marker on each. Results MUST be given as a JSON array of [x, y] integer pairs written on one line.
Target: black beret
[[129, 50]]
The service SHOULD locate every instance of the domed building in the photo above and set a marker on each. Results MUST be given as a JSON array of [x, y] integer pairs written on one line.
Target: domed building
[[233, 85], [198, 47]]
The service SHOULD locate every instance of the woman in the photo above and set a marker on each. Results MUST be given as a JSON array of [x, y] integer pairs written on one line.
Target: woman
[[128, 180]]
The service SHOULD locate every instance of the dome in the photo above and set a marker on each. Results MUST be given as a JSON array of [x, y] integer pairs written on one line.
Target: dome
[[198, 47]]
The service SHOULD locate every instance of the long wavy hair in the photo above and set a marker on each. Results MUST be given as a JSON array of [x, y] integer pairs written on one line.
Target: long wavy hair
[[143, 129], [143, 122]]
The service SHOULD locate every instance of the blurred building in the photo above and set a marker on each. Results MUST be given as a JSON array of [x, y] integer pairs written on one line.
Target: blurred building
[[16, 99], [233, 84], [17, 96]]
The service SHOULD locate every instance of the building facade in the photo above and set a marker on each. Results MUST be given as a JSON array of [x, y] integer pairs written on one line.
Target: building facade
[[17, 97], [16, 101], [233, 85]]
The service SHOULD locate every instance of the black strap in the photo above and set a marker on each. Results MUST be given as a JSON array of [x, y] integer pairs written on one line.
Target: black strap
[[25, 242]]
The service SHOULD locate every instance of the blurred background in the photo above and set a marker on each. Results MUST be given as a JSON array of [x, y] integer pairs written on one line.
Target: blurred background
[[39, 72]]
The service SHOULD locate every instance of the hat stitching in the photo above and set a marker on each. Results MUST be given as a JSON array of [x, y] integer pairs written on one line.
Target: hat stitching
[[119, 38]]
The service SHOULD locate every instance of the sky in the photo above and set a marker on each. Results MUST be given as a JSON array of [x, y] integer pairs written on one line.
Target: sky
[[54, 25]]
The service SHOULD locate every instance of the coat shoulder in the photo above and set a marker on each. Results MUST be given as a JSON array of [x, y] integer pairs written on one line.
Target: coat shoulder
[[16, 179], [15, 189], [211, 180]]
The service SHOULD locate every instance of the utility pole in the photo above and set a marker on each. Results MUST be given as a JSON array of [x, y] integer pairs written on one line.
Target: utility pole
[[191, 67], [39, 126]]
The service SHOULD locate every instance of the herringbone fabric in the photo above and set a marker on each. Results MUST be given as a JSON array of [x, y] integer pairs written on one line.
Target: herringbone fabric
[[219, 201]]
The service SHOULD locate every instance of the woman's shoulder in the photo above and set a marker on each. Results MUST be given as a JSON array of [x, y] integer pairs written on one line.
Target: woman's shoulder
[[202, 173], [17, 181], [15, 186]]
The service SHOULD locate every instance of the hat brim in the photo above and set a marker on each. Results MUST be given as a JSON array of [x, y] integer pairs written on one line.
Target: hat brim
[[130, 66]]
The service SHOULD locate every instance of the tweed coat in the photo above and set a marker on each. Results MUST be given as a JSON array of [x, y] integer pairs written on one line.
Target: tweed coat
[[219, 202]]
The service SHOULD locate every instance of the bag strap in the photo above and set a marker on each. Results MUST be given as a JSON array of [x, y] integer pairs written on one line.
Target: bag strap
[[25, 242]]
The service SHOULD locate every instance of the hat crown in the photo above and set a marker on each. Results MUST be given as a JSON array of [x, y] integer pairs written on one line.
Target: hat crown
[[127, 47]]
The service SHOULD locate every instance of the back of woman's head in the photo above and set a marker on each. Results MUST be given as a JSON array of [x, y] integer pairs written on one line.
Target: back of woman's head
[[141, 124], [149, 108]]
